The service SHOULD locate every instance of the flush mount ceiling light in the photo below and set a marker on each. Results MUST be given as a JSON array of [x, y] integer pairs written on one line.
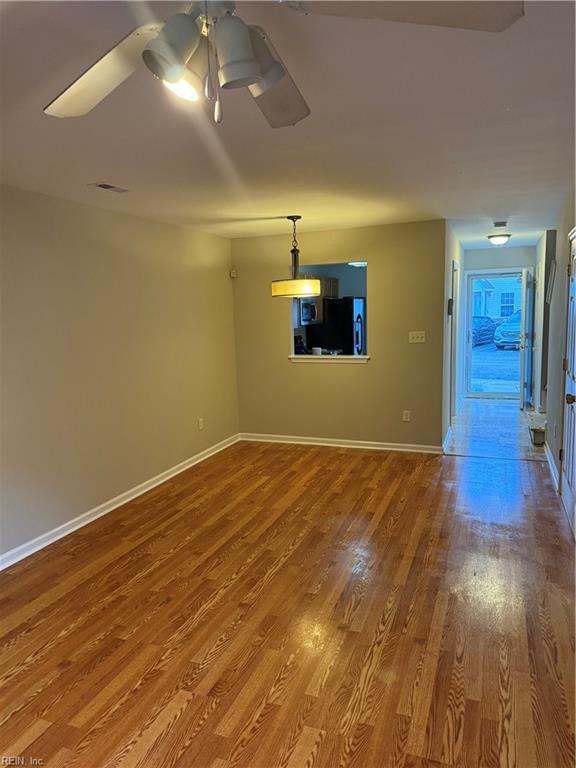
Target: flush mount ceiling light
[[167, 54], [499, 239], [297, 286], [357, 263]]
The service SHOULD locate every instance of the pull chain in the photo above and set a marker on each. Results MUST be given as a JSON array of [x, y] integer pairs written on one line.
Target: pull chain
[[208, 85]]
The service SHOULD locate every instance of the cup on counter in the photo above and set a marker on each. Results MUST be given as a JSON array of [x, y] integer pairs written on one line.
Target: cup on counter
[[316, 350]]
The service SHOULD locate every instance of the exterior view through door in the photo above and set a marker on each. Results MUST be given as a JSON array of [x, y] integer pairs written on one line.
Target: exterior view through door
[[500, 331], [496, 364]]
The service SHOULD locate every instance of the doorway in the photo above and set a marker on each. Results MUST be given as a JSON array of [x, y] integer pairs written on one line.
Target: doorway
[[496, 365], [500, 336]]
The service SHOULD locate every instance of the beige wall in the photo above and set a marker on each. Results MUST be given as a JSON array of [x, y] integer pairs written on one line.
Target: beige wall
[[117, 334], [358, 402], [557, 338]]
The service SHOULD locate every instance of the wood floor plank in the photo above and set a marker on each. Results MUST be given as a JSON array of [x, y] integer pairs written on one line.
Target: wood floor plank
[[282, 606]]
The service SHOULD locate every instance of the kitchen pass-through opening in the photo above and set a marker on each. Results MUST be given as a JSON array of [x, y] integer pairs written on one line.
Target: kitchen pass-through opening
[[334, 323]]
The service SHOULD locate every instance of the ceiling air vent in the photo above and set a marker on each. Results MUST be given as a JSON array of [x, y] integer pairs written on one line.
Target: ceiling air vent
[[107, 187]]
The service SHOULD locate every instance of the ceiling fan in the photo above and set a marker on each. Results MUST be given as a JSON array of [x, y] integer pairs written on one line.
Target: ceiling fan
[[209, 48]]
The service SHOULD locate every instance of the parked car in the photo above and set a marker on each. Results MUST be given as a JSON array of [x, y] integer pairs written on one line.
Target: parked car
[[508, 334], [483, 329]]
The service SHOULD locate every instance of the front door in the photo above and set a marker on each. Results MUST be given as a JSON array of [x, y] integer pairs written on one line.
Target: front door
[[568, 479]]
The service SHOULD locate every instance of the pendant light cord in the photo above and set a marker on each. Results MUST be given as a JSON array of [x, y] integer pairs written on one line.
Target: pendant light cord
[[295, 252], [294, 240]]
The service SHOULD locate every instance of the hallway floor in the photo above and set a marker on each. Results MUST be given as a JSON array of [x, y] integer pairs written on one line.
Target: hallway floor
[[492, 429]]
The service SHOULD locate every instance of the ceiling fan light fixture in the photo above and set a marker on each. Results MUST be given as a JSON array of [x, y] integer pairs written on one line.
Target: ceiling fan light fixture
[[167, 54], [271, 70], [238, 67], [499, 239], [183, 89], [191, 84]]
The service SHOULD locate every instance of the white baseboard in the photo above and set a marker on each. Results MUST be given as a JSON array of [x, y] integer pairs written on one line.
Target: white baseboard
[[552, 466], [338, 443], [29, 547]]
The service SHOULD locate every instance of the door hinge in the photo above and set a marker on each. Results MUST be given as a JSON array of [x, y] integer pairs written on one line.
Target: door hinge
[[561, 454], [565, 364]]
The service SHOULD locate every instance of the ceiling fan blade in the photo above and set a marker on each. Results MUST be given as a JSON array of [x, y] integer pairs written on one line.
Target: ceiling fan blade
[[481, 15], [282, 104], [104, 76]]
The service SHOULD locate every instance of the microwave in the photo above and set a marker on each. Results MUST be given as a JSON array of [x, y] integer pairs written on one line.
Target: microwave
[[310, 311]]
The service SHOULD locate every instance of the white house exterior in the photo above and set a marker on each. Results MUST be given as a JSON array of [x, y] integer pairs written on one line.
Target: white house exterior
[[497, 297]]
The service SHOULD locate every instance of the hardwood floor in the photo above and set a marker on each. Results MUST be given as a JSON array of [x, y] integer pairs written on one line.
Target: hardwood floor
[[287, 606]]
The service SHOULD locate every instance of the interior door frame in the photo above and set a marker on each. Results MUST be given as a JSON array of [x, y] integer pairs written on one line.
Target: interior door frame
[[566, 494], [455, 319], [470, 274], [527, 344]]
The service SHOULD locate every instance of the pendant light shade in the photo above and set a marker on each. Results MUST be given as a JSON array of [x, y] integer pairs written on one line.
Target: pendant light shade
[[297, 286]]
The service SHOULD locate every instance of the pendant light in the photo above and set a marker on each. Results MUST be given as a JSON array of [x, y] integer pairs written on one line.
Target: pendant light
[[297, 286]]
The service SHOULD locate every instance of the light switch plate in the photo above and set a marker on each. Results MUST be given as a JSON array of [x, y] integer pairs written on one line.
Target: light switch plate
[[416, 337]]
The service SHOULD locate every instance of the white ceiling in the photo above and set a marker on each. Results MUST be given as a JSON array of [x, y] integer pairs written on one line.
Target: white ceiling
[[408, 123], [473, 233]]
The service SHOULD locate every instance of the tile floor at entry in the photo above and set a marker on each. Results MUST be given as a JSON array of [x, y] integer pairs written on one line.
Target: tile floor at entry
[[282, 606], [492, 429]]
